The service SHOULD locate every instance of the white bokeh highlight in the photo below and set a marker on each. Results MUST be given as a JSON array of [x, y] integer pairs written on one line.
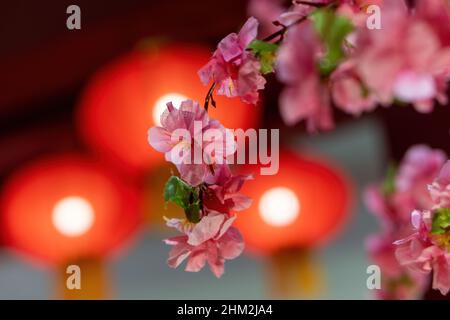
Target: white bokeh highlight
[[279, 206], [160, 105], [73, 216]]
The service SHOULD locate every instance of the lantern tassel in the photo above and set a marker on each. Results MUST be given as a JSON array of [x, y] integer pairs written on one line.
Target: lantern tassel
[[295, 273], [92, 280]]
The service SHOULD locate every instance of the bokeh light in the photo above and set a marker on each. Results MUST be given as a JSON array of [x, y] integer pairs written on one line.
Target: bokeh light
[[73, 216], [279, 206]]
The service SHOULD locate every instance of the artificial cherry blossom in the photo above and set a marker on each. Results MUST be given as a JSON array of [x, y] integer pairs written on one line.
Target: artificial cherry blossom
[[213, 240], [233, 68]]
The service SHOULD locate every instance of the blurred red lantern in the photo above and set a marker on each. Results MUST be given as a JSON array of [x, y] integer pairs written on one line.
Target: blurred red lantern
[[127, 97], [65, 208], [301, 206], [294, 211]]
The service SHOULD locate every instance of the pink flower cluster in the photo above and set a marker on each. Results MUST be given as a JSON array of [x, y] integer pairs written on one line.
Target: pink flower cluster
[[407, 59], [212, 239], [402, 193], [426, 251], [325, 55], [181, 139], [233, 68]]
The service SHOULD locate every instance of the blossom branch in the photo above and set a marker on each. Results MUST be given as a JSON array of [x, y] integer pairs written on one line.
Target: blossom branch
[[280, 33], [209, 97]]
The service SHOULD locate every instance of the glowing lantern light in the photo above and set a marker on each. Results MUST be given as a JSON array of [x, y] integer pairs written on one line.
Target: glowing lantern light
[[279, 206], [67, 207], [127, 97], [294, 211], [73, 216], [303, 205], [66, 210]]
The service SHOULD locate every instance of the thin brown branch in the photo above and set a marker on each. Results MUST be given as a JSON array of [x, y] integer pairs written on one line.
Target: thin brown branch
[[209, 97], [278, 34]]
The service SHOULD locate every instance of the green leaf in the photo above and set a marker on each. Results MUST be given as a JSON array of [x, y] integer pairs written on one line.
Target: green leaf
[[265, 52], [193, 212], [177, 191], [332, 29], [185, 196], [388, 186], [441, 221]]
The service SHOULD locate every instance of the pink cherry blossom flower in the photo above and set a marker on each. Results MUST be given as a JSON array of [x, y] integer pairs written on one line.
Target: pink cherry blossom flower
[[234, 69], [181, 138], [382, 253], [436, 13], [440, 188], [379, 204], [212, 240], [397, 282], [426, 251], [224, 188], [298, 11], [410, 62], [419, 252], [348, 92], [305, 97], [419, 167]]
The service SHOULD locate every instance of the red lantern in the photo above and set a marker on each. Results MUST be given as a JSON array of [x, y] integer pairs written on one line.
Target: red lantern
[[66, 208], [294, 211], [126, 98], [301, 206]]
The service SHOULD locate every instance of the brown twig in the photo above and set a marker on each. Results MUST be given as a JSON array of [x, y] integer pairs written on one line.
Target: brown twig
[[280, 33], [209, 97]]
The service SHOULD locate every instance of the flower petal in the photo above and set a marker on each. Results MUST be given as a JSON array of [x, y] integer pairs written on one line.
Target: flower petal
[[159, 138], [206, 229]]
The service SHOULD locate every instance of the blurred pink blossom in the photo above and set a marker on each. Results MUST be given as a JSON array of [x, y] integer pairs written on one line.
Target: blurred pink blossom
[[407, 59], [426, 251], [266, 11], [418, 168], [305, 97], [397, 282], [419, 252], [440, 188], [348, 92]]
